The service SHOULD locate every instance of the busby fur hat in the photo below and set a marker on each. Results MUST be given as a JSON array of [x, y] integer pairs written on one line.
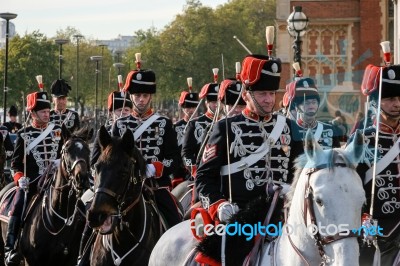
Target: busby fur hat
[[116, 100], [60, 88], [229, 92], [210, 91], [260, 73], [390, 81], [13, 111], [140, 81], [188, 99], [305, 89], [37, 101]]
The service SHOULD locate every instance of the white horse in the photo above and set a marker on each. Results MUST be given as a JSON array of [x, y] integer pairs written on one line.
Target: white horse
[[326, 191]]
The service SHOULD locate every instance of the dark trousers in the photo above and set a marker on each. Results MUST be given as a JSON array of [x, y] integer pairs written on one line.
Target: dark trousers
[[168, 206]]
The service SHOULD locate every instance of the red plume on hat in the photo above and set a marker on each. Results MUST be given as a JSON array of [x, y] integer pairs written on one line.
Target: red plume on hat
[[210, 90], [37, 101], [289, 94], [189, 99], [370, 81]]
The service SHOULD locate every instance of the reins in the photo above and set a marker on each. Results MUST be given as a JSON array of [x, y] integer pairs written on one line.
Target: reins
[[320, 241]]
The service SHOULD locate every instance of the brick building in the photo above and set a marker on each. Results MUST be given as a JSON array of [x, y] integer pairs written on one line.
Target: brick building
[[342, 37]]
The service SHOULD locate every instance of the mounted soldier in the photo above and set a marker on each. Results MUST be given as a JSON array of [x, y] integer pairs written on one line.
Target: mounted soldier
[[61, 114], [119, 105], [306, 101], [37, 146], [379, 169], [188, 102], [154, 137], [196, 129], [13, 126]]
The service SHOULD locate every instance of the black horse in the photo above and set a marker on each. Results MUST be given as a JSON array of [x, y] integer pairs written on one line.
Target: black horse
[[122, 210], [54, 223]]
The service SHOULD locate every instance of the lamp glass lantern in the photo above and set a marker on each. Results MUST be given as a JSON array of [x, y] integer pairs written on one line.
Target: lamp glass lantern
[[297, 22]]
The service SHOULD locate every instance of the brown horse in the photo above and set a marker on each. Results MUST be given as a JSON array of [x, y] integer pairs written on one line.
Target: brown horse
[[121, 211]]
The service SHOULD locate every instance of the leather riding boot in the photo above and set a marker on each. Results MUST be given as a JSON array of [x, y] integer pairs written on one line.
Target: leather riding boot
[[10, 256]]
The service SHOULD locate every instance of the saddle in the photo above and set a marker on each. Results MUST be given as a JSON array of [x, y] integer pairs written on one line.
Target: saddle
[[238, 247]]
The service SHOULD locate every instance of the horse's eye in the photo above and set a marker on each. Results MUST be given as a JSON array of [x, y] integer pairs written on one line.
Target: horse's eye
[[319, 202]]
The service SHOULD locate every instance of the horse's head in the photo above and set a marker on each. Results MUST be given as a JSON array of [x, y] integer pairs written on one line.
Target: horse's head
[[328, 190], [119, 173], [75, 155]]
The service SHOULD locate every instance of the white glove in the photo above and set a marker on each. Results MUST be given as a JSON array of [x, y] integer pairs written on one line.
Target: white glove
[[226, 210], [150, 170], [285, 188], [23, 182]]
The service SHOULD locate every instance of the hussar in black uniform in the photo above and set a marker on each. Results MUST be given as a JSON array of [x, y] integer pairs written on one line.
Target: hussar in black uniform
[[383, 154], [197, 129], [188, 102], [154, 136], [13, 126], [61, 114], [306, 100], [259, 144], [36, 147]]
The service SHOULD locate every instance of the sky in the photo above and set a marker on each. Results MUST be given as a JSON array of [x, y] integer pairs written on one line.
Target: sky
[[98, 19]]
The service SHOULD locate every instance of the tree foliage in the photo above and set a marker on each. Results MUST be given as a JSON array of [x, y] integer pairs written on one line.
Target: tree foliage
[[189, 46]]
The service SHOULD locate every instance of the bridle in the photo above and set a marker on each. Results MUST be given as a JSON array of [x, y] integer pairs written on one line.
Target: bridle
[[69, 168], [121, 198], [132, 182], [320, 241]]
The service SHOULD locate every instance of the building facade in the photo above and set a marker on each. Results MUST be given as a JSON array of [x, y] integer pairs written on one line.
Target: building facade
[[342, 38]]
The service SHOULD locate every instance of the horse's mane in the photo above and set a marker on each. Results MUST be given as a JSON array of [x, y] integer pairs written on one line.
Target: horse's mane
[[302, 161], [115, 153], [82, 133]]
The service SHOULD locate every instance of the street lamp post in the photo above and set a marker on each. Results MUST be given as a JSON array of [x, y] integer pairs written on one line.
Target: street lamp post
[[97, 59], [118, 66], [60, 42], [102, 73], [7, 17], [77, 37], [297, 25]]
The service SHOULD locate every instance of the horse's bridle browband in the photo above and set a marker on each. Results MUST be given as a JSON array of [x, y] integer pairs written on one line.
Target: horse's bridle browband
[[320, 241]]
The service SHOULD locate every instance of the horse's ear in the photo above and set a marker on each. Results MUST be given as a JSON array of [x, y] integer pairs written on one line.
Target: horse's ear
[[128, 142], [311, 147], [355, 149], [90, 134], [103, 137], [66, 134]]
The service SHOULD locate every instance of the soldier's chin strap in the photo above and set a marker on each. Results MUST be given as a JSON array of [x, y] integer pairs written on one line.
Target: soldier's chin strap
[[144, 109], [260, 110]]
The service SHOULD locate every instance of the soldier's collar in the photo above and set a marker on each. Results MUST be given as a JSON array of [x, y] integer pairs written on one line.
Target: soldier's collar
[[253, 116], [145, 115], [36, 125], [388, 129], [60, 112], [209, 115], [303, 124]]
